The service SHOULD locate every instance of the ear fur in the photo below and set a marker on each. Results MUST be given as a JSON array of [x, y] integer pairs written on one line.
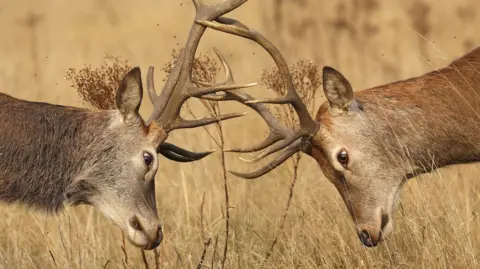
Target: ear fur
[[337, 89], [129, 94]]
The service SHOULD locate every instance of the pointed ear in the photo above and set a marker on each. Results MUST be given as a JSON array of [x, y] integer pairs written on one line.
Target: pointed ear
[[337, 89], [130, 94]]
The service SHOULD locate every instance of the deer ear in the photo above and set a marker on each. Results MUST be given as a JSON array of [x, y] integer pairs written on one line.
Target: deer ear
[[130, 94], [337, 89]]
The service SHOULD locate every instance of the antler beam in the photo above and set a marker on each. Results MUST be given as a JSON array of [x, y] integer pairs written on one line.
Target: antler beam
[[280, 137], [179, 86]]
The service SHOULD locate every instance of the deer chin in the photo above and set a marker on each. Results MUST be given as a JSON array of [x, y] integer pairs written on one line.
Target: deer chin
[[387, 217]]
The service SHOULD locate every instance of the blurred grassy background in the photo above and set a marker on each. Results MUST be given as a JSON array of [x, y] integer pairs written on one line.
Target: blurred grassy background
[[370, 41]]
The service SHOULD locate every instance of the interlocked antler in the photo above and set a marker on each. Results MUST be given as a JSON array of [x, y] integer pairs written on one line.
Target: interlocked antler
[[179, 85], [280, 137]]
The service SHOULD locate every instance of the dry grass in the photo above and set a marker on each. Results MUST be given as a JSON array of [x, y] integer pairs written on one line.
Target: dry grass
[[371, 42]]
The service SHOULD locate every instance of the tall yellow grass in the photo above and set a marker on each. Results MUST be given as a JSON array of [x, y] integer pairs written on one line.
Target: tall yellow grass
[[370, 41]]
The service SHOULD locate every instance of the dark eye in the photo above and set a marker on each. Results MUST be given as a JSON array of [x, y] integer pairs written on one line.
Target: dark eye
[[148, 158], [342, 157]]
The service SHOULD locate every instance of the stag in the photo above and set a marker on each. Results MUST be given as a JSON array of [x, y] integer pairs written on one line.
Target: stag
[[51, 155], [368, 144]]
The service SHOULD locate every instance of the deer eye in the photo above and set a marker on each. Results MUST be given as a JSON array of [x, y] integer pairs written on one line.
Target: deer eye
[[148, 158], [342, 158]]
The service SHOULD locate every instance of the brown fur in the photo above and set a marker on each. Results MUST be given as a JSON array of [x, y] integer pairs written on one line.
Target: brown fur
[[426, 113]]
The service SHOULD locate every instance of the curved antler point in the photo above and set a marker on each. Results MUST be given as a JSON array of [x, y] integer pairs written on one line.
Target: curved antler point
[[202, 22], [238, 174], [247, 160], [242, 175]]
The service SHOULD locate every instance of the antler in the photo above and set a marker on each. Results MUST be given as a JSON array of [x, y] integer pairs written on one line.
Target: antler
[[179, 85], [280, 137]]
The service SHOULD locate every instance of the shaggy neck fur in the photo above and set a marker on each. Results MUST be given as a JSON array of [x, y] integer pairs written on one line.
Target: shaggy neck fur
[[432, 120], [43, 148]]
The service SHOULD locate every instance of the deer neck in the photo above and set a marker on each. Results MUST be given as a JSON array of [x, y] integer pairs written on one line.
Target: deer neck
[[42, 148], [429, 121]]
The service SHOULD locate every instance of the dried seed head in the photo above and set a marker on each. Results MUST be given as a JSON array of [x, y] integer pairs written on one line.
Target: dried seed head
[[205, 67], [306, 79], [97, 87]]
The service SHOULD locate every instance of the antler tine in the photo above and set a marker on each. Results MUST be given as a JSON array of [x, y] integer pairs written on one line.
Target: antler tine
[[284, 138], [152, 93], [277, 130], [178, 154], [204, 121], [228, 75], [179, 86], [226, 68], [277, 147], [235, 27], [159, 102], [194, 92], [289, 151]]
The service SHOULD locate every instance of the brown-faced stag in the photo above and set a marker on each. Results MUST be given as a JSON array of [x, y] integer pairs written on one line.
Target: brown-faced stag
[[368, 143], [52, 154]]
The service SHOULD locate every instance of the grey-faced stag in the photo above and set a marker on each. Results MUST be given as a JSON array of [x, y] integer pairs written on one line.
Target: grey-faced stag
[[369, 143], [51, 154]]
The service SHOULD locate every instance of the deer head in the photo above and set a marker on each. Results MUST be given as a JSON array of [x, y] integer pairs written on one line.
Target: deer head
[[352, 156], [131, 204]]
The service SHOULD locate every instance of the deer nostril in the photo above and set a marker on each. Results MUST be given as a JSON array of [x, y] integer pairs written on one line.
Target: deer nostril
[[366, 239], [135, 224]]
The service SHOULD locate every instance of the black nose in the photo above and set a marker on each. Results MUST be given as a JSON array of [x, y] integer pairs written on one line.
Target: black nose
[[366, 239], [158, 240]]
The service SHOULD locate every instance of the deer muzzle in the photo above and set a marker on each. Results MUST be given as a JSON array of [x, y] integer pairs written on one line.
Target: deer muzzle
[[371, 235], [144, 234]]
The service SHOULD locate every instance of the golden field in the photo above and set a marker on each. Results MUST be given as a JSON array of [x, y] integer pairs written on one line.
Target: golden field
[[370, 41]]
